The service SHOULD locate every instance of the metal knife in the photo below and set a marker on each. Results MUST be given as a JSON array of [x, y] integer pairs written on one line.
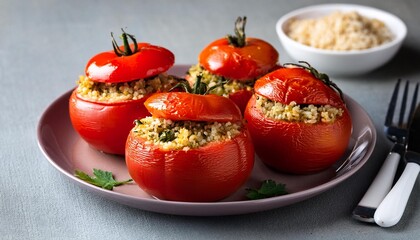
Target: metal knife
[[391, 209]]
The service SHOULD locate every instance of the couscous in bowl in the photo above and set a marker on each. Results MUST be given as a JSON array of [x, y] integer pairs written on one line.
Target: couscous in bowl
[[347, 62]]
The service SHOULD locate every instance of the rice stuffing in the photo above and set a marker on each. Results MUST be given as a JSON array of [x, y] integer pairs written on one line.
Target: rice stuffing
[[293, 112], [211, 80], [122, 91], [185, 135]]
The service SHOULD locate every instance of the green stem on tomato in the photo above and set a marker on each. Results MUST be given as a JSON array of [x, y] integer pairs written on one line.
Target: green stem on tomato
[[199, 87], [127, 49], [239, 39], [222, 82]]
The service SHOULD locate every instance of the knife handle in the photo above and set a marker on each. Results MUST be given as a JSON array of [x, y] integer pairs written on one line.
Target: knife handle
[[392, 207], [380, 186]]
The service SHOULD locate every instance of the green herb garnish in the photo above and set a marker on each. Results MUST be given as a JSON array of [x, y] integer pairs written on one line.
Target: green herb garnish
[[269, 188], [101, 179], [166, 136]]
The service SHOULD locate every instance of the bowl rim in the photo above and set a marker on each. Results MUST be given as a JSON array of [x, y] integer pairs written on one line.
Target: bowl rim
[[399, 36]]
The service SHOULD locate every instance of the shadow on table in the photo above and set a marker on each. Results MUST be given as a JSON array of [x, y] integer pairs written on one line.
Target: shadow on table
[[403, 64]]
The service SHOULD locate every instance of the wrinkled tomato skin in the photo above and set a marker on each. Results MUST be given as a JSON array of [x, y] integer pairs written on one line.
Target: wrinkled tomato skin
[[179, 106], [105, 126], [253, 60], [150, 60], [204, 174], [296, 84], [296, 147]]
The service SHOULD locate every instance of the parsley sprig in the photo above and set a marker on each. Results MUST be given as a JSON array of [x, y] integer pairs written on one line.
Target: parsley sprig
[[269, 188], [101, 178]]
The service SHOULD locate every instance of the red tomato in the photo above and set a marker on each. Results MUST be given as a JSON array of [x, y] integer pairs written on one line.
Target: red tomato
[[105, 126], [204, 174], [208, 173], [253, 60], [297, 147], [241, 98], [185, 106], [149, 61], [239, 58]]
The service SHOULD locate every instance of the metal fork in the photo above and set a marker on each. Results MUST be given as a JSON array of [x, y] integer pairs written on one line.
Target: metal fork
[[397, 133]]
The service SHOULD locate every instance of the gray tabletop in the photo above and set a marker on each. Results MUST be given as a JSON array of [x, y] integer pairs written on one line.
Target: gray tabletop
[[44, 46]]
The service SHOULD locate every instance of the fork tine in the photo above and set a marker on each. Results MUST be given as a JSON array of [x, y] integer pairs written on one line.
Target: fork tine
[[403, 105], [392, 104], [413, 102]]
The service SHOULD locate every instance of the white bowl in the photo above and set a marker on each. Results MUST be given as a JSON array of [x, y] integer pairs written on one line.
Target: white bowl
[[334, 62]]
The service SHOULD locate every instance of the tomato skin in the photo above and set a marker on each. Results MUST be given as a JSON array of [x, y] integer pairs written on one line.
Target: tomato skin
[[150, 60], [253, 60], [241, 98], [297, 147], [296, 84], [204, 174], [193, 107], [105, 126]]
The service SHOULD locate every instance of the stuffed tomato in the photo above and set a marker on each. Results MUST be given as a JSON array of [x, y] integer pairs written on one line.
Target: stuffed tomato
[[298, 120], [234, 63], [111, 95], [193, 148]]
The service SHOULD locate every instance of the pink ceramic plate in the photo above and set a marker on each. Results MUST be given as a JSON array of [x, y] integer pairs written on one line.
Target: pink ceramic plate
[[66, 151]]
